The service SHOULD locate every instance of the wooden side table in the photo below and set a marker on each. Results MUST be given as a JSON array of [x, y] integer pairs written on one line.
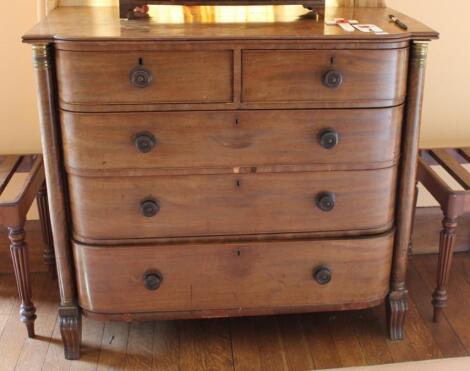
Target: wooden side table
[[453, 202], [13, 216]]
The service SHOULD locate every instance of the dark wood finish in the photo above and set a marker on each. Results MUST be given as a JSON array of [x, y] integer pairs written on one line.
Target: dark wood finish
[[209, 204], [19, 255], [70, 320], [13, 217], [428, 225], [80, 24], [228, 140], [8, 166], [179, 77], [454, 204], [297, 76], [50, 138], [43, 209], [288, 342], [453, 167], [447, 243], [397, 301], [243, 203], [233, 276]]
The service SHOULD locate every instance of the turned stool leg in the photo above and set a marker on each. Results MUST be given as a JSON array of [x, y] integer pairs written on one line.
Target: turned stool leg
[[43, 208], [446, 248], [19, 254]]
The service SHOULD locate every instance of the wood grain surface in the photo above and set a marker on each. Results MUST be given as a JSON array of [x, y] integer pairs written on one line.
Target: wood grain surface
[[103, 24], [286, 76], [197, 140], [178, 76], [232, 276], [199, 205]]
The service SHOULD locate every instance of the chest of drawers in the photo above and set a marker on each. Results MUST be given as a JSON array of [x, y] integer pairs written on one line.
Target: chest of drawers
[[210, 168]]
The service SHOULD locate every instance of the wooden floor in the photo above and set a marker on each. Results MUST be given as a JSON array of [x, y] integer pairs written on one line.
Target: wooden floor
[[293, 342]]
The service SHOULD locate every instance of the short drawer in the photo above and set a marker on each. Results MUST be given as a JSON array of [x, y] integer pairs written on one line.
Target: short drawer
[[136, 77], [140, 279], [348, 76], [230, 139], [207, 205]]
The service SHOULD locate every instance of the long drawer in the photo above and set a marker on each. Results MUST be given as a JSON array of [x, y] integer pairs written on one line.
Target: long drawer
[[230, 139], [324, 75], [136, 77], [109, 208], [320, 273]]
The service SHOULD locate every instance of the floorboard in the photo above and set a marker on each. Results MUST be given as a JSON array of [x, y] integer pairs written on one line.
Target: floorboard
[[271, 343]]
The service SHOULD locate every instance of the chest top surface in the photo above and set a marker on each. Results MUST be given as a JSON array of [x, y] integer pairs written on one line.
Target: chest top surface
[[194, 23]]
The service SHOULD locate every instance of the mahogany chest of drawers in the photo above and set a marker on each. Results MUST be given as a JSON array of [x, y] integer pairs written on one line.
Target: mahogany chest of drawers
[[206, 167]]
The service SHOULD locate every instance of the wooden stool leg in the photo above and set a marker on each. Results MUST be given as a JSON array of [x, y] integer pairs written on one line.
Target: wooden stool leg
[[43, 207], [19, 254], [446, 249]]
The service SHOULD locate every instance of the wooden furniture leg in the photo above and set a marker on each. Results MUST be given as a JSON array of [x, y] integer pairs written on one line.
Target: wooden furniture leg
[[44, 217], [446, 250], [69, 313], [70, 320], [397, 300], [19, 254]]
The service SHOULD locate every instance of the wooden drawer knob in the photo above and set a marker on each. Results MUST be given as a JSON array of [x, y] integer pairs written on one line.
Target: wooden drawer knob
[[152, 280], [144, 142], [333, 79], [322, 275], [326, 201], [329, 139], [149, 208], [140, 77]]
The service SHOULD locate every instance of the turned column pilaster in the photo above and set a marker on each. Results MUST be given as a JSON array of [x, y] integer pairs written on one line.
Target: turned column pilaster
[[397, 301]]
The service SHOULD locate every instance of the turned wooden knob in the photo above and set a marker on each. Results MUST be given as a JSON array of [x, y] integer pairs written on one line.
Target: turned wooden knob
[[329, 139], [322, 275], [326, 201], [149, 208], [332, 79], [140, 77], [152, 280], [144, 142]]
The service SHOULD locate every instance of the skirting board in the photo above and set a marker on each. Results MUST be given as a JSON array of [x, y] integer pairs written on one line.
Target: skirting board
[[425, 238]]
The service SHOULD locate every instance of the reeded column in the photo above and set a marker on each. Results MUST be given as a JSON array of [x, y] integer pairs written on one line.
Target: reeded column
[[19, 255], [397, 301], [69, 313], [446, 251]]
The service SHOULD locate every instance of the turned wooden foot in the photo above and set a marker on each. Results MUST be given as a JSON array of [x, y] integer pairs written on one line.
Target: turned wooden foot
[[44, 217], [397, 306], [71, 331], [19, 254], [446, 249]]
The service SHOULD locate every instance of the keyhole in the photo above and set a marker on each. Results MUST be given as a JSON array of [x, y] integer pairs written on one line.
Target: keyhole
[[238, 253], [141, 61], [237, 183], [333, 60], [237, 121]]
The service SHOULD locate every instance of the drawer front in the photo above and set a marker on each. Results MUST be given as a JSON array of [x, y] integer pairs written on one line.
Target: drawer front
[[225, 276], [348, 76], [205, 205], [145, 77], [230, 139]]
